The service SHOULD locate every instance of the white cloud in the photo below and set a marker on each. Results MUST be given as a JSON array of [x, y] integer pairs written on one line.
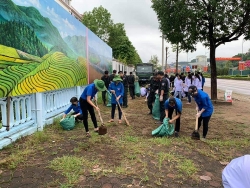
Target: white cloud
[[70, 26], [35, 3], [64, 34], [51, 13]]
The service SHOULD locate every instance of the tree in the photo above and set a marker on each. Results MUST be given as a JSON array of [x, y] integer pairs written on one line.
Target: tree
[[211, 22], [176, 49], [99, 22], [155, 61]]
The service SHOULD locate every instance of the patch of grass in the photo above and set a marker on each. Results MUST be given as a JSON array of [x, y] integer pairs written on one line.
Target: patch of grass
[[164, 141], [70, 166], [12, 161], [186, 167], [37, 138]]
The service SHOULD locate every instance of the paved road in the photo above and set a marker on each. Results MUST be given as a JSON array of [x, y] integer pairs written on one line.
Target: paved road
[[237, 86]]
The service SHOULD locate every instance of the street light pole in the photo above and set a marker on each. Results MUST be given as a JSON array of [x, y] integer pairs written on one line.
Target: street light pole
[[162, 63], [242, 49]]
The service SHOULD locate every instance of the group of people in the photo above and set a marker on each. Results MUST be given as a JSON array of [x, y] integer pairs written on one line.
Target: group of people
[[160, 84]]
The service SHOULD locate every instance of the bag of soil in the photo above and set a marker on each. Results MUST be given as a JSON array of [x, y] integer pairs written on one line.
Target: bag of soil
[[68, 123]]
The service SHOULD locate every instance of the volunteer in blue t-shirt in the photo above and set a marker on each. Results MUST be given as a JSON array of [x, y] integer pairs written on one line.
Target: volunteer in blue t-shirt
[[170, 105], [87, 104], [75, 106], [204, 107], [116, 88]]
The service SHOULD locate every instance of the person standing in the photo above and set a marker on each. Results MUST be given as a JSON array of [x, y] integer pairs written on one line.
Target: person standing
[[202, 81], [188, 83], [125, 84], [204, 108], [170, 105], [131, 82], [106, 80], [87, 105], [197, 81], [163, 93], [178, 87], [117, 90], [75, 106], [111, 77], [154, 86]]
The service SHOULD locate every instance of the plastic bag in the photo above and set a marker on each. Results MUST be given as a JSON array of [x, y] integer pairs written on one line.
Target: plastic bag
[[68, 123], [164, 129], [108, 95], [156, 108], [137, 89]]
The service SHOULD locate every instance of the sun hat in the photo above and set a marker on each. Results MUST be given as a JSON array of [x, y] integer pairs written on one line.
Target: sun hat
[[117, 78], [100, 85]]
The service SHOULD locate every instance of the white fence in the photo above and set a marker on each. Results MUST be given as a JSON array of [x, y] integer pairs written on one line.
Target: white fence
[[30, 113]]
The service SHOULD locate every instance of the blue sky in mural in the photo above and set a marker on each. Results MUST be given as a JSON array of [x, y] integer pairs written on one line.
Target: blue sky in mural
[[66, 24]]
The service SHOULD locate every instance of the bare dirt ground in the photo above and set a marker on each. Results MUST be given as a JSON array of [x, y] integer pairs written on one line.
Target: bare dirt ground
[[129, 156]]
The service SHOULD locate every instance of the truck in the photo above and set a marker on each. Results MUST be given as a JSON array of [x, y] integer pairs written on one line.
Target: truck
[[144, 71]]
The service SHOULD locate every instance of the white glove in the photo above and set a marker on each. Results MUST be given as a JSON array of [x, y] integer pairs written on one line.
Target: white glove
[[156, 92], [197, 109], [161, 98], [198, 114], [75, 116]]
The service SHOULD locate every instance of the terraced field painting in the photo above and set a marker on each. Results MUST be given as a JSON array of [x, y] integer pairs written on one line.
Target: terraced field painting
[[43, 47]]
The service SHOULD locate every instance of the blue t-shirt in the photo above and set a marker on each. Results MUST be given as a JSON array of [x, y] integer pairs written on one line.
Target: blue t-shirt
[[76, 109], [177, 107], [90, 90], [119, 90], [203, 101]]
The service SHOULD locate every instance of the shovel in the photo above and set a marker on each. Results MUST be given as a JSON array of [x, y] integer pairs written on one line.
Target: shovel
[[102, 129], [195, 135], [122, 111]]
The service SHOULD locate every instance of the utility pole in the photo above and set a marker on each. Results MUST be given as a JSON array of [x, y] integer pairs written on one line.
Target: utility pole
[[162, 63], [166, 65]]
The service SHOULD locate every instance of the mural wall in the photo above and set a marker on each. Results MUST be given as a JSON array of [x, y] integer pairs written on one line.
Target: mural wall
[[43, 47]]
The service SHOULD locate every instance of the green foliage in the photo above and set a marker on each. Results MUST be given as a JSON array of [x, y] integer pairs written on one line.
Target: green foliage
[[99, 21], [187, 22], [18, 35]]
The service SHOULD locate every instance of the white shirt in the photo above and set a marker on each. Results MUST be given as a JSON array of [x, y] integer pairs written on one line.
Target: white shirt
[[143, 91], [237, 173], [178, 85], [198, 83]]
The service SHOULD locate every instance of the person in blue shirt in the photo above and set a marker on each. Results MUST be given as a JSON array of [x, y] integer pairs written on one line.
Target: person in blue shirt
[[75, 106], [170, 105], [204, 108], [87, 105], [116, 88]]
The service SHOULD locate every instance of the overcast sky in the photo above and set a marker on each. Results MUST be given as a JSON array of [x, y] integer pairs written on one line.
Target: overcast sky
[[141, 25]]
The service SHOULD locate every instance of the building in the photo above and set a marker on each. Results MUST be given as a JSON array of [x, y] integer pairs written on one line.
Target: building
[[66, 4]]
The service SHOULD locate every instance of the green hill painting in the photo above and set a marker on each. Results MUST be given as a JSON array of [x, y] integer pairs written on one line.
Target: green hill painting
[[43, 47]]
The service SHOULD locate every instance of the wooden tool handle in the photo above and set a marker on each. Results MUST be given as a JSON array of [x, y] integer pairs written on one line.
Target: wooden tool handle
[[99, 113], [196, 123], [122, 111]]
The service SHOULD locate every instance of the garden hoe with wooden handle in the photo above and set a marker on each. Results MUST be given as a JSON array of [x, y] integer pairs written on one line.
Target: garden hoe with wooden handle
[[102, 129], [195, 135], [122, 111]]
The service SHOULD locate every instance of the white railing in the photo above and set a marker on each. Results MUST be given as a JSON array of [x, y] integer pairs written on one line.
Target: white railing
[[30, 113]]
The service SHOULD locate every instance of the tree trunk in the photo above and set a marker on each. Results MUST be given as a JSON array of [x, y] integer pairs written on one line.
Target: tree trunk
[[177, 54], [213, 71]]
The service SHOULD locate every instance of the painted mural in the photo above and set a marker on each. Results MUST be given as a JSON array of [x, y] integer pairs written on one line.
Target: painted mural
[[43, 47]]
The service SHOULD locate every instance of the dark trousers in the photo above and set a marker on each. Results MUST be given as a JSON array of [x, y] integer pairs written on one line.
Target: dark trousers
[[85, 106], [104, 97], [80, 117], [132, 91], [162, 107], [151, 100], [177, 122], [188, 96], [205, 124], [125, 97], [113, 111]]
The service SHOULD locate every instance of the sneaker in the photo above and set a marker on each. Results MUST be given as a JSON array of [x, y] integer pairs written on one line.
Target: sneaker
[[203, 139], [176, 134]]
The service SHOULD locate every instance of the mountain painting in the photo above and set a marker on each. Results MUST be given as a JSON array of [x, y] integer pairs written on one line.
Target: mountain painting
[[43, 48]]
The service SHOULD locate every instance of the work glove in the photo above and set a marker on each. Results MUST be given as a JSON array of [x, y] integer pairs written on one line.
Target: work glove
[[157, 91], [198, 114], [161, 98], [75, 116], [197, 109]]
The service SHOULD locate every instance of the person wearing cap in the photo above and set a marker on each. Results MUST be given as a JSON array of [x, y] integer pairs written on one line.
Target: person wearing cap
[[170, 105], [117, 90], [163, 93], [75, 106], [112, 75], [204, 108], [131, 82], [154, 86], [106, 80], [87, 104]]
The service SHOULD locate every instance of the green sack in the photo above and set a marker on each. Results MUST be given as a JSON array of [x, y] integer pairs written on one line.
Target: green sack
[[166, 129], [68, 123], [108, 96], [137, 89], [156, 108]]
